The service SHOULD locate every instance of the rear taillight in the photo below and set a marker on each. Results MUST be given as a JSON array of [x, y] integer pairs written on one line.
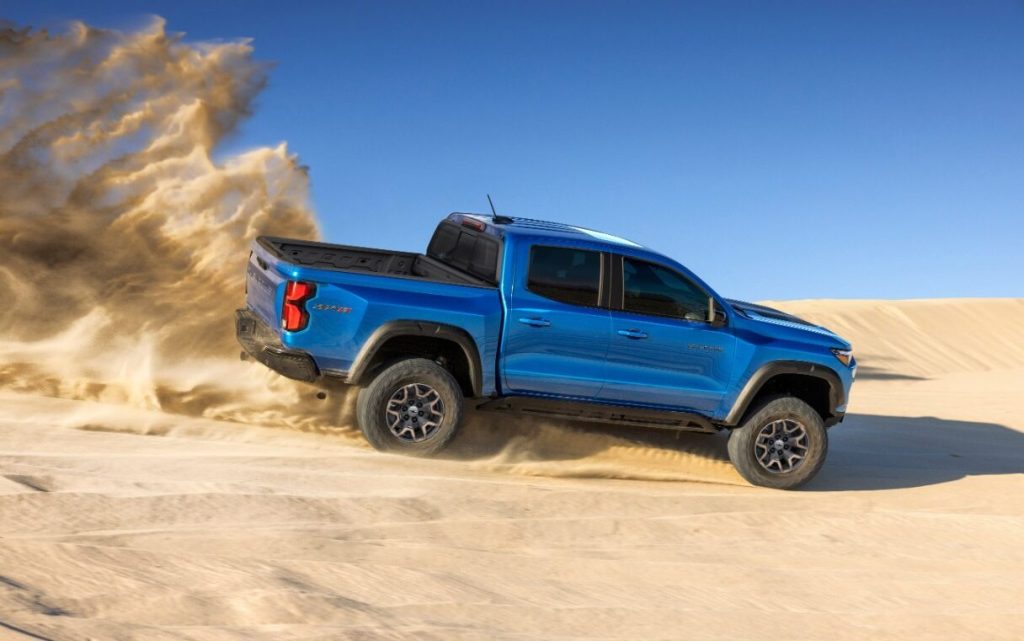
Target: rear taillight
[[294, 315]]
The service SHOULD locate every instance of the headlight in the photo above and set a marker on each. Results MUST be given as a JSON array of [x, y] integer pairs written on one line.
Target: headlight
[[845, 356]]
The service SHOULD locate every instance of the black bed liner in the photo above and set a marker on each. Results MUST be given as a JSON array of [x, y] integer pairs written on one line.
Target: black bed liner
[[384, 262]]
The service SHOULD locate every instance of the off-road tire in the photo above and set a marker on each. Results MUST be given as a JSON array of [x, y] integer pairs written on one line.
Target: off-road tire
[[744, 450], [373, 401]]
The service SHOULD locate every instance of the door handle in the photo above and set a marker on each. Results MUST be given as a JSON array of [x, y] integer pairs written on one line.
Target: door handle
[[635, 334], [535, 322]]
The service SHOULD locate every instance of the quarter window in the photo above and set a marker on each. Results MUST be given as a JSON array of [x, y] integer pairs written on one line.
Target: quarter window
[[467, 251], [565, 274], [653, 289]]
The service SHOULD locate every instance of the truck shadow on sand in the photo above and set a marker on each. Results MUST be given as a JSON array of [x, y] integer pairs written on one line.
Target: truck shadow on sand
[[866, 452], [869, 452]]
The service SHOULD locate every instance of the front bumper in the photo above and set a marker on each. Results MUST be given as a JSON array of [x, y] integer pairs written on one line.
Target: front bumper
[[835, 419], [263, 345]]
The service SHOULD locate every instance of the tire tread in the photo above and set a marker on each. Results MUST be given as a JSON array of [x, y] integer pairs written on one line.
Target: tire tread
[[741, 442], [372, 398]]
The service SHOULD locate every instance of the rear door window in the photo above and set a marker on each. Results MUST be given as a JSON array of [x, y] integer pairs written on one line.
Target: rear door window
[[565, 274]]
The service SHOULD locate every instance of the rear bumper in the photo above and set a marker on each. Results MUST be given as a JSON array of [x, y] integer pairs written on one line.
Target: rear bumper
[[263, 345]]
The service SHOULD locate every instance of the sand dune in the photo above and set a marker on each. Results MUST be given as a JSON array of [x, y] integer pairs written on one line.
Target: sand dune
[[121, 522], [924, 338]]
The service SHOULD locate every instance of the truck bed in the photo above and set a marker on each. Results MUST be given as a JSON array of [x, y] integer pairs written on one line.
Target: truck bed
[[384, 262], [358, 291]]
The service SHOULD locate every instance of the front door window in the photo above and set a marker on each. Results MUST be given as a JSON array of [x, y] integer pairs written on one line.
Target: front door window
[[658, 291]]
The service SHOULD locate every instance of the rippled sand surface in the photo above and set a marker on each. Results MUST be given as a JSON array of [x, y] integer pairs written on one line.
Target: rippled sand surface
[[124, 523]]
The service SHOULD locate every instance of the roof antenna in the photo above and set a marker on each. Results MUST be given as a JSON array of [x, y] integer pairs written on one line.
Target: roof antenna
[[498, 219]]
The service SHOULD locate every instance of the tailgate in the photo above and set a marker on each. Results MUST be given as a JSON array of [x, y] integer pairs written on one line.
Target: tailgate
[[263, 286]]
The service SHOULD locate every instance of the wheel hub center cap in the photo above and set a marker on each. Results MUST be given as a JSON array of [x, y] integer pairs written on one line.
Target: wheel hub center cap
[[414, 412], [782, 445]]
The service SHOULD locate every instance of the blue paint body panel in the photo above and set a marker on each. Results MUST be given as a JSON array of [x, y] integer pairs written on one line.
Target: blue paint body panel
[[537, 346]]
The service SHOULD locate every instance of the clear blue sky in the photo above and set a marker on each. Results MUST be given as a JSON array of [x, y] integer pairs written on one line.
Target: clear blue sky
[[781, 150]]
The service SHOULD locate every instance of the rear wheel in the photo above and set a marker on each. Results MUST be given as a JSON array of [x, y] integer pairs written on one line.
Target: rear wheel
[[782, 444], [413, 406]]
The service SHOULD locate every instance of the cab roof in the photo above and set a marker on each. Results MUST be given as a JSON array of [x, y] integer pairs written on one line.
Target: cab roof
[[501, 225]]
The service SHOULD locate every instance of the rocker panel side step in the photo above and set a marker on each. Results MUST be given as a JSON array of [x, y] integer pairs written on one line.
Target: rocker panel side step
[[598, 413]]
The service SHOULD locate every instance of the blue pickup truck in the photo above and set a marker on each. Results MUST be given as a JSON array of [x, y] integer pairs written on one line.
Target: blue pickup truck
[[545, 319]]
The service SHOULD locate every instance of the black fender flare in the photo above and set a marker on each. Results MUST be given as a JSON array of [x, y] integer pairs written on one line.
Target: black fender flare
[[766, 372], [392, 329]]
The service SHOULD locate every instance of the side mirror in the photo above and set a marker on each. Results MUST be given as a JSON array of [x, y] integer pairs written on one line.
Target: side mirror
[[716, 316]]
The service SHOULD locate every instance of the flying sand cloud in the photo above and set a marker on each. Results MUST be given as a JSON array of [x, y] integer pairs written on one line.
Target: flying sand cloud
[[112, 200], [123, 239]]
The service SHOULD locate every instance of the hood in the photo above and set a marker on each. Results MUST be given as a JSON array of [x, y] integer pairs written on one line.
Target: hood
[[771, 316]]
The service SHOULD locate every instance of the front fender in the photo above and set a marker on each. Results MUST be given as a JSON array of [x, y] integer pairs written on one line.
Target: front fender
[[837, 395]]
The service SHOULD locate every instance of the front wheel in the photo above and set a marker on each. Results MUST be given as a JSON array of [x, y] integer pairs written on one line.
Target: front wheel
[[413, 407], [782, 444]]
